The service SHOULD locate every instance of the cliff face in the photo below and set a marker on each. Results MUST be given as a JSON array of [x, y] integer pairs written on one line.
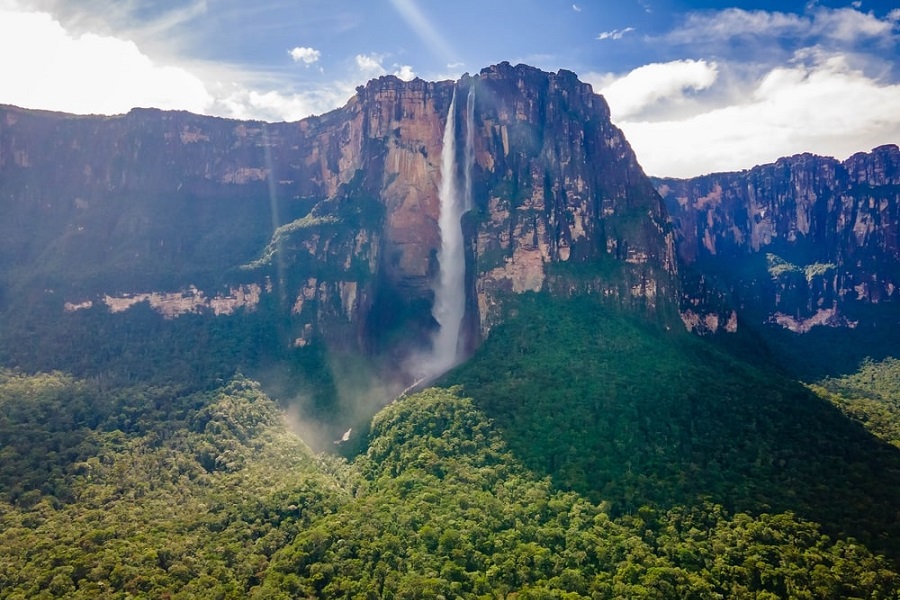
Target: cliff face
[[803, 242], [333, 220], [562, 204]]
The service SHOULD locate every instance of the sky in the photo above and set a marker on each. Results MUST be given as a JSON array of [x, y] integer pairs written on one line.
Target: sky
[[697, 87]]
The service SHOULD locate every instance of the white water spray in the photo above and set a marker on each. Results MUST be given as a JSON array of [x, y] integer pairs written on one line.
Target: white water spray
[[450, 291], [470, 147]]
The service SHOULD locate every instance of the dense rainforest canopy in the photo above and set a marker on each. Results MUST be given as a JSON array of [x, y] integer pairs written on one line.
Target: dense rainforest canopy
[[541, 473]]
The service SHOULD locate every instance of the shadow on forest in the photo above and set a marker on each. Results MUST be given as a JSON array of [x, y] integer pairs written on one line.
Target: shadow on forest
[[627, 413]]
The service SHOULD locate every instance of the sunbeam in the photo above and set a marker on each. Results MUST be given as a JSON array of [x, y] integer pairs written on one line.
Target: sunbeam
[[423, 28]]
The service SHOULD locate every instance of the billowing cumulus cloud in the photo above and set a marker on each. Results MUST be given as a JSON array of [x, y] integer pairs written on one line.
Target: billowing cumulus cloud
[[241, 102], [404, 72], [826, 106], [650, 84], [826, 94], [46, 67], [837, 25], [55, 69], [305, 55], [370, 64]]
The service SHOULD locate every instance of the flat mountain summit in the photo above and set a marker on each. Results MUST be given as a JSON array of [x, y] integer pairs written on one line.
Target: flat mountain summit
[[655, 388]]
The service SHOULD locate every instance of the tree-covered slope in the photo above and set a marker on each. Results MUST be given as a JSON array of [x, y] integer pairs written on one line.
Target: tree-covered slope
[[870, 396], [635, 415], [449, 511], [148, 492], [209, 496]]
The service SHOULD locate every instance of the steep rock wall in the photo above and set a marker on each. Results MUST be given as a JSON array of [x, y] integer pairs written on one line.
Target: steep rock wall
[[562, 204], [335, 217], [802, 242]]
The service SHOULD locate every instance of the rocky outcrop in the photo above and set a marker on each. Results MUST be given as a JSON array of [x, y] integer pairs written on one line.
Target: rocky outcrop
[[807, 241], [172, 305], [562, 204], [333, 218]]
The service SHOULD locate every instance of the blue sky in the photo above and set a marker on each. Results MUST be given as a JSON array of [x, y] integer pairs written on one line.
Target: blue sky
[[696, 86]]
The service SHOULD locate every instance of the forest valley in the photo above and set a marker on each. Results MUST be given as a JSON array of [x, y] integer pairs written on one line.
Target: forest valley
[[218, 375]]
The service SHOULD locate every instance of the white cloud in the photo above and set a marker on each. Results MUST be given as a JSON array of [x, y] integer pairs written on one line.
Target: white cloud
[[46, 67], [849, 25], [305, 55], [733, 22], [615, 34], [370, 64], [576, 8], [826, 107], [240, 102], [645, 86], [87, 73], [690, 117], [404, 72], [845, 25]]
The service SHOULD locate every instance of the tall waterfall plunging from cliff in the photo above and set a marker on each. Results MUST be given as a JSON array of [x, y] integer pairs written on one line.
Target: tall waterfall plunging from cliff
[[470, 148], [450, 291]]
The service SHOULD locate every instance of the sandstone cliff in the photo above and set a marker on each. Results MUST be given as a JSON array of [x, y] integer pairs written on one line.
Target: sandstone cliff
[[332, 221], [562, 204], [803, 242]]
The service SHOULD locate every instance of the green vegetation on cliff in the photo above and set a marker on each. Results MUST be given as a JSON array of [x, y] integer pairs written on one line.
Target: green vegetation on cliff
[[870, 396], [632, 414], [221, 501]]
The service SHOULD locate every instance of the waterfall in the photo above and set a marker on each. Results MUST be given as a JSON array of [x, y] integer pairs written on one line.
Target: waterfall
[[450, 291], [470, 146]]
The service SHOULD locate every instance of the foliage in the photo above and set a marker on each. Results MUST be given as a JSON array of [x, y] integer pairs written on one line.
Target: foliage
[[634, 415], [168, 239], [282, 232], [778, 266], [240, 484], [192, 353], [438, 506], [818, 269], [870, 396], [450, 512]]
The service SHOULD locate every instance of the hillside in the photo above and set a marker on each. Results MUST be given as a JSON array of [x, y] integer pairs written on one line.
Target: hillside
[[148, 491], [207, 327], [439, 505], [802, 252], [165, 246]]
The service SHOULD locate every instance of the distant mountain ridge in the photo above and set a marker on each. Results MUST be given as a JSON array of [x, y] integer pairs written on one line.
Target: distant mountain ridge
[[333, 218], [805, 242], [164, 277], [327, 228]]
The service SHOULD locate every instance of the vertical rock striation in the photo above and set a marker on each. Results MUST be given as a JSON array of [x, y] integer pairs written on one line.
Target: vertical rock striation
[[562, 204], [803, 242], [335, 218]]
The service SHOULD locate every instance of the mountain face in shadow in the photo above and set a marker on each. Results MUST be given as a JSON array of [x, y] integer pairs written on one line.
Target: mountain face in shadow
[[632, 349], [803, 252]]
